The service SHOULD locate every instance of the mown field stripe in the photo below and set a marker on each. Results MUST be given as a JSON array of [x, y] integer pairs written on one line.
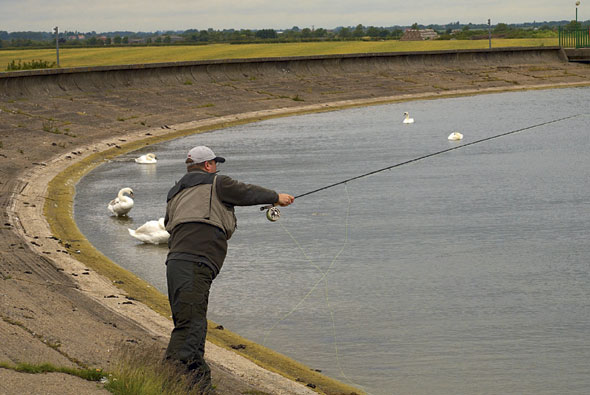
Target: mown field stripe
[[107, 56]]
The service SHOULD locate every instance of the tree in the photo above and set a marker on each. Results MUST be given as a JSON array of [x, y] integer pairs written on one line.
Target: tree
[[203, 36], [320, 32], [167, 39], [372, 31], [125, 40], [117, 40], [415, 26], [383, 33], [501, 28], [344, 33], [359, 31], [266, 34], [248, 34], [573, 25]]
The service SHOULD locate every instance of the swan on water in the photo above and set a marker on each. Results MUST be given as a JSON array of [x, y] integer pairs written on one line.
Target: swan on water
[[122, 204], [455, 136], [152, 232], [146, 159], [407, 119]]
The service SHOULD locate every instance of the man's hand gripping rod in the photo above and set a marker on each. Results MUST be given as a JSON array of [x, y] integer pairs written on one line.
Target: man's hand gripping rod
[[272, 211]]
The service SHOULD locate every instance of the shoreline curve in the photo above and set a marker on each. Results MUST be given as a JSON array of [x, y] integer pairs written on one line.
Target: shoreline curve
[[40, 200]]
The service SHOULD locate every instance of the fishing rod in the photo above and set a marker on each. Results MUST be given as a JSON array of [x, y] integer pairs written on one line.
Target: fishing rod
[[273, 213]]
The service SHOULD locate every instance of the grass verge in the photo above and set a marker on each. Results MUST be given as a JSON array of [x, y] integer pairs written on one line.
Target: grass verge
[[86, 374], [136, 370], [141, 370]]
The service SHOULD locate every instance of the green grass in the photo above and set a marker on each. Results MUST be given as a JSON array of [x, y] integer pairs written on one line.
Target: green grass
[[16, 65], [49, 127], [141, 370], [86, 374], [136, 370], [77, 57]]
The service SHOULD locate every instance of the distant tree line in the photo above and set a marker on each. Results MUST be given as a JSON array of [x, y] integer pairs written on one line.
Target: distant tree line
[[453, 30]]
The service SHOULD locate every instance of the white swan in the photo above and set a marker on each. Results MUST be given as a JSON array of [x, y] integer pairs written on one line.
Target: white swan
[[455, 136], [407, 119], [152, 232], [122, 204], [146, 159]]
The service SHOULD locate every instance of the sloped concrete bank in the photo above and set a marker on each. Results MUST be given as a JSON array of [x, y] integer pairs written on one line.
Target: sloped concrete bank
[[55, 308], [91, 79]]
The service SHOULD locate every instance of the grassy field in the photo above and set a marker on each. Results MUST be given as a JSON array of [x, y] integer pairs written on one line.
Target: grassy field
[[130, 55]]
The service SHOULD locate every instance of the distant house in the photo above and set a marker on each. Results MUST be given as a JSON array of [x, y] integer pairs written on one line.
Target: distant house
[[175, 39], [76, 37], [419, 35], [137, 41]]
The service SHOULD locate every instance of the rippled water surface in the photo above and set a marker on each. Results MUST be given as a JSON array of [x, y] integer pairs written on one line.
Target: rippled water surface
[[463, 273]]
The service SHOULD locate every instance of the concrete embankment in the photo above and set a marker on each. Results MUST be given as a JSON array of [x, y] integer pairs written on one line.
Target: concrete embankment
[[92, 79], [57, 117]]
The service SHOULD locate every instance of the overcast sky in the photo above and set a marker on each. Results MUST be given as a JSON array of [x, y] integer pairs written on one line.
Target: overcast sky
[[151, 15]]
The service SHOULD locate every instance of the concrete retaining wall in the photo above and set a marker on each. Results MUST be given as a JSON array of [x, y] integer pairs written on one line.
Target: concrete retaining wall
[[93, 79], [578, 54]]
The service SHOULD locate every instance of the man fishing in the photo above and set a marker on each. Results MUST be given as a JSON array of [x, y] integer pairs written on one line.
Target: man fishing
[[200, 219]]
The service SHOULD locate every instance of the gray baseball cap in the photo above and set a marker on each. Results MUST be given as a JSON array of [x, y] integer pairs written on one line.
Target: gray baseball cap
[[201, 154]]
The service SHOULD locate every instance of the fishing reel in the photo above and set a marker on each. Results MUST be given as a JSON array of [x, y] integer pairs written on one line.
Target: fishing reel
[[272, 213]]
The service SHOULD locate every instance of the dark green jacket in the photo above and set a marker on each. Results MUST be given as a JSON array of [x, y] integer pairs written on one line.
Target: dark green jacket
[[200, 218]]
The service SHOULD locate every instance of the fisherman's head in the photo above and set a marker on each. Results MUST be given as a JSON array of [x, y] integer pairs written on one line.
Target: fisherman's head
[[202, 157]]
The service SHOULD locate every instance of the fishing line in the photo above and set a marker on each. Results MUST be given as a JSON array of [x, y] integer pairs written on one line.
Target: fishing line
[[315, 285]]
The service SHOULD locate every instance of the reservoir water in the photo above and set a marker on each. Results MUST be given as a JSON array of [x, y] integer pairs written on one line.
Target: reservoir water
[[464, 273]]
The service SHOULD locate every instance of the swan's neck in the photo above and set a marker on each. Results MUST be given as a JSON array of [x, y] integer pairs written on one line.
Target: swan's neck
[[122, 196]]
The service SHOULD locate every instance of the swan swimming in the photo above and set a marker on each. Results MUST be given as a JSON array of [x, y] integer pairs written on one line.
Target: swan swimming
[[152, 232], [122, 204], [146, 159], [455, 136], [407, 119]]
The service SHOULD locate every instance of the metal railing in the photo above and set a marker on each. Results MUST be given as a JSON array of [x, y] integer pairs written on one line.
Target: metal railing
[[574, 38]]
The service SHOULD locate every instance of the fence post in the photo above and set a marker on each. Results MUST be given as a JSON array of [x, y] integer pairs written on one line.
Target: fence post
[[56, 30]]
